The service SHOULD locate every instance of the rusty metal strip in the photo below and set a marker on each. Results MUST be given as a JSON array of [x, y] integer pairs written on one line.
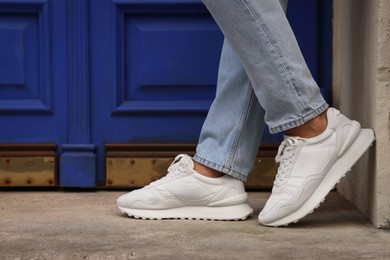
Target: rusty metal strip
[[27, 171], [134, 172], [27, 165], [137, 165], [138, 172]]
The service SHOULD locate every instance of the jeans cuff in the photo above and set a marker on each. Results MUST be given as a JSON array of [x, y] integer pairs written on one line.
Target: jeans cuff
[[218, 167], [300, 121]]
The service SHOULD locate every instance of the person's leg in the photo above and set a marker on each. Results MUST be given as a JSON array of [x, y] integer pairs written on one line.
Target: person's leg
[[231, 134], [261, 36], [324, 145]]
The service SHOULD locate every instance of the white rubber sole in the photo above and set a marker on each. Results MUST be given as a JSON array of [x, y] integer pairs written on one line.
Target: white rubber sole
[[362, 142], [234, 212]]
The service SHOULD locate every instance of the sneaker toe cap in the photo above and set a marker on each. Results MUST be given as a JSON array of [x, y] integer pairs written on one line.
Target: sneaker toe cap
[[128, 200], [271, 211], [122, 201]]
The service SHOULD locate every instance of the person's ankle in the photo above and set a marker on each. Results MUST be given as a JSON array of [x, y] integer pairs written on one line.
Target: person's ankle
[[312, 128], [206, 171]]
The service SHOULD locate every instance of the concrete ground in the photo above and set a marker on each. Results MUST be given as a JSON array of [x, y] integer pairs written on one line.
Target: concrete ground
[[87, 225]]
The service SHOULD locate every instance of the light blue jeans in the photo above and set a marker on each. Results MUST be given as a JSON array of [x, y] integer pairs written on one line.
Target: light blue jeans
[[262, 78]]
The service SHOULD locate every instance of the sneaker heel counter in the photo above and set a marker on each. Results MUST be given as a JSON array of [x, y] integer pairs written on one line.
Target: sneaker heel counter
[[349, 132], [332, 115], [238, 192], [233, 193]]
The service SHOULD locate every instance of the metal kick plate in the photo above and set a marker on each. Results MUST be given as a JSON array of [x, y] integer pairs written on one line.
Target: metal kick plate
[[138, 172], [27, 171], [135, 172]]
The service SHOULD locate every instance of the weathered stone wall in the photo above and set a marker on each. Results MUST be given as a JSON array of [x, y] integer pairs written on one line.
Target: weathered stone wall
[[361, 77]]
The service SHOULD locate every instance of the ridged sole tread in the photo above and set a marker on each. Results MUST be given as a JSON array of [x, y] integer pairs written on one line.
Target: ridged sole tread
[[201, 219], [229, 213]]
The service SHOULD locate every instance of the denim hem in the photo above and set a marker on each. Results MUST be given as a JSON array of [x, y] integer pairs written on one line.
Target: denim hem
[[218, 167], [300, 121]]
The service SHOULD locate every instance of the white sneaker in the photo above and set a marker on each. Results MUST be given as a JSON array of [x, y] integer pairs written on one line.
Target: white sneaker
[[185, 194], [310, 168]]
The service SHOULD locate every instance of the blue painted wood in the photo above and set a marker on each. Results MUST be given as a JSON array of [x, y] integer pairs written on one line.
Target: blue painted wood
[[77, 166], [32, 71], [25, 78], [156, 74], [78, 160], [324, 58]]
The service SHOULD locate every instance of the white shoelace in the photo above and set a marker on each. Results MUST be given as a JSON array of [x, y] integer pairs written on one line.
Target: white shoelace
[[286, 153], [176, 169]]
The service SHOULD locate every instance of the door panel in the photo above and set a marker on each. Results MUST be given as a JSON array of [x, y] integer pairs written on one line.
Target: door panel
[[161, 61], [31, 78], [162, 74]]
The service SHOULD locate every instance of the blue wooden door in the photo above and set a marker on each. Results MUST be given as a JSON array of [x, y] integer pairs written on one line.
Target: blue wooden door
[[84, 73]]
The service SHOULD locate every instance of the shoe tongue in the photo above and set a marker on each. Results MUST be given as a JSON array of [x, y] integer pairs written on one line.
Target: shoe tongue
[[181, 166], [186, 162]]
